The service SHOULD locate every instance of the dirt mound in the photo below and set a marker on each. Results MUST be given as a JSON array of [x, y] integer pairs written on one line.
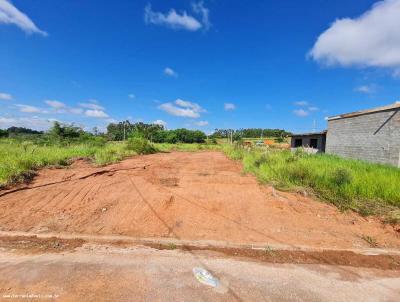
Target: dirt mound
[[194, 196]]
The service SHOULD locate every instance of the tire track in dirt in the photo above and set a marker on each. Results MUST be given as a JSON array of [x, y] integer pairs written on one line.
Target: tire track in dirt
[[199, 196]]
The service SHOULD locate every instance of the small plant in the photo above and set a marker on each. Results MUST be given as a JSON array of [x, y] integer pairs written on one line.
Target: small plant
[[263, 158], [341, 177], [171, 246], [370, 240], [269, 251]]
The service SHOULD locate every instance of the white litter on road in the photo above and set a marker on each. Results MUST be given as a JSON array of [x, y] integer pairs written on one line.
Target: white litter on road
[[203, 276]]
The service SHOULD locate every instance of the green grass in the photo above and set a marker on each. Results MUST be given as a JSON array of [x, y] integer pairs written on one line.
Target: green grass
[[18, 159], [370, 189], [165, 147]]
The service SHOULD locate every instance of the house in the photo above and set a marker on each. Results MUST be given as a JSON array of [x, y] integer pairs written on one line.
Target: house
[[372, 135], [315, 141]]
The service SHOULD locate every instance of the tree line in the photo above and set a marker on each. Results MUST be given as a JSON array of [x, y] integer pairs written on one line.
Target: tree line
[[153, 132], [250, 133]]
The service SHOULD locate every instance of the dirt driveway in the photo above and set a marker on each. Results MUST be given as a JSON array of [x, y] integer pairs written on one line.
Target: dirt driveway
[[191, 196]]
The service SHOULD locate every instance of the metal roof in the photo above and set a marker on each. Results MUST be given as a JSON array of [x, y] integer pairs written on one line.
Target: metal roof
[[362, 112]]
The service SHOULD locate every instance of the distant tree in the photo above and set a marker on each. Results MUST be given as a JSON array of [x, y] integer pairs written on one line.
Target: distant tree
[[14, 131], [3, 133], [115, 131], [249, 133], [65, 131]]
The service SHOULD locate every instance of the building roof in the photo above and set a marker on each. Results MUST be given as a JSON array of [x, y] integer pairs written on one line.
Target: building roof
[[309, 134], [362, 112]]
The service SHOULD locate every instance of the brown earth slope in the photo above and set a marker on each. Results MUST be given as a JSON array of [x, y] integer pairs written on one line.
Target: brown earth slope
[[192, 196]]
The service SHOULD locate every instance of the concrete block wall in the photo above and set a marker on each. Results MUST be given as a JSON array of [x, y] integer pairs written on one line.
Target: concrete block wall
[[373, 137], [307, 139]]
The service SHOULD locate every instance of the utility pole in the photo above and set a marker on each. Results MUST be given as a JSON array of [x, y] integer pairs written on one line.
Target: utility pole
[[123, 123]]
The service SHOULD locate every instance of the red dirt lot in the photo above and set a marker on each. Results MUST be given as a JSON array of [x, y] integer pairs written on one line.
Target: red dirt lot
[[183, 195]]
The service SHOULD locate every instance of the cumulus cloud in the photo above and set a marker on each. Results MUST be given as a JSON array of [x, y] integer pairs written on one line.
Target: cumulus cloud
[[301, 103], [160, 122], [33, 122], [182, 108], [9, 14], [365, 89], [60, 107], [171, 19], [301, 112], [92, 105], [96, 113], [55, 104], [371, 40], [30, 109], [170, 72], [313, 108], [229, 106], [204, 12], [201, 123], [75, 110], [5, 96]]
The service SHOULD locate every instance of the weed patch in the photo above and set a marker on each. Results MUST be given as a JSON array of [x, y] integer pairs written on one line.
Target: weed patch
[[369, 189]]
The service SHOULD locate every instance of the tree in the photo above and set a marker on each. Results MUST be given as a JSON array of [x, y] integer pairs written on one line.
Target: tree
[[121, 130], [59, 131], [3, 133]]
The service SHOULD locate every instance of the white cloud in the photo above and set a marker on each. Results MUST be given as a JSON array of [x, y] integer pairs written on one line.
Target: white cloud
[[170, 72], [9, 14], [201, 123], [30, 109], [96, 113], [111, 121], [160, 122], [75, 110], [33, 122], [5, 96], [301, 103], [7, 121], [186, 104], [171, 19], [313, 108], [371, 40], [182, 108], [301, 112], [55, 104], [60, 107], [131, 96], [365, 89], [199, 8], [229, 106], [93, 105]]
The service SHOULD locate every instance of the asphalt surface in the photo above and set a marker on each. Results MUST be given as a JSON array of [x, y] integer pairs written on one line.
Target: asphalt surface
[[111, 273]]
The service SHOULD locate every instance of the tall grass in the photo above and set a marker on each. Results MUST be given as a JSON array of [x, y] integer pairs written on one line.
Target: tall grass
[[18, 159], [166, 147], [349, 184]]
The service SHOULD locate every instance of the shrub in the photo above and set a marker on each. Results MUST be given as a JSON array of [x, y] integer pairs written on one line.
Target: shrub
[[140, 145], [341, 176]]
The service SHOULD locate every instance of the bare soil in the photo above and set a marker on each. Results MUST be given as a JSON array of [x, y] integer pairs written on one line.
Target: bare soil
[[191, 196]]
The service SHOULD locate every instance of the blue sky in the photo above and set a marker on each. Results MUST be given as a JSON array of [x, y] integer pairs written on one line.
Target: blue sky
[[204, 65]]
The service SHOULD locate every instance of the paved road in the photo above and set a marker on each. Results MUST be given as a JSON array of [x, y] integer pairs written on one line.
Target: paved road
[[109, 273]]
